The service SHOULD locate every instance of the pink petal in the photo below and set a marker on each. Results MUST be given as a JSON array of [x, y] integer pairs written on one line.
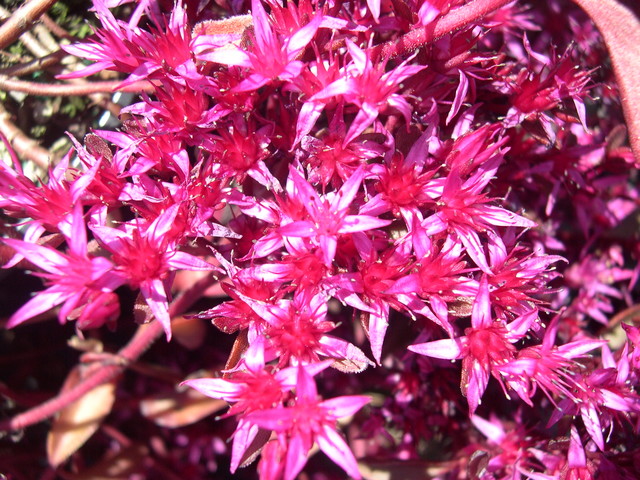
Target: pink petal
[[156, 297], [576, 456], [481, 312], [42, 302], [478, 379], [296, 457], [265, 37], [306, 387], [378, 323], [374, 8], [361, 223], [579, 348], [301, 228], [216, 388], [44, 257], [334, 446], [243, 436], [492, 430], [228, 56], [185, 261], [302, 37], [329, 245], [591, 421], [359, 56], [447, 349], [340, 407], [348, 191], [276, 419], [474, 246]]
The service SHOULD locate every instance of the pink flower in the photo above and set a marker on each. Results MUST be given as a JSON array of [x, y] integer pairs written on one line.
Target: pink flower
[[309, 421], [487, 344], [49, 205], [600, 397], [146, 256], [328, 217], [463, 209], [168, 51], [548, 366], [296, 332], [368, 87], [270, 56], [251, 387], [366, 289], [83, 284]]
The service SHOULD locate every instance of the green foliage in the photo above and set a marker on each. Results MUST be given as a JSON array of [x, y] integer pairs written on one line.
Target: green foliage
[[66, 14], [74, 106]]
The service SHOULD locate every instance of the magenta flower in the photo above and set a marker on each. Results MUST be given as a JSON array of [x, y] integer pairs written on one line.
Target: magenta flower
[[145, 257], [487, 344], [83, 284], [271, 56], [511, 448], [398, 172], [251, 387], [464, 210], [309, 421], [367, 289], [169, 51], [600, 397], [49, 205], [296, 332], [328, 217], [368, 87], [547, 366]]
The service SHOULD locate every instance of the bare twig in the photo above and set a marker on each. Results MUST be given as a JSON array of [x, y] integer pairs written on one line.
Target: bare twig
[[25, 147], [35, 65], [56, 29], [60, 90], [32, 42], [22, 19]]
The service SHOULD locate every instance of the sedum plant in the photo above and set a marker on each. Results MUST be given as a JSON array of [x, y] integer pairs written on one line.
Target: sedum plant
[[396, 238]]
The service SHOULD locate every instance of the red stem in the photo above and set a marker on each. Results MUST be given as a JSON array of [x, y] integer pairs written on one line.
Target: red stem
[[141, 341], [449, 23], [58, 90]]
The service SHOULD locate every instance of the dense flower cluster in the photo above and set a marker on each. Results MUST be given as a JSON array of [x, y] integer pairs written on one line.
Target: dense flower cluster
[[389, 230]]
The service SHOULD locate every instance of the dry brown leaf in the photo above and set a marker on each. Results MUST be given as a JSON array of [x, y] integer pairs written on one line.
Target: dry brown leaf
[[78, 421], [189, 332], [180, 408]]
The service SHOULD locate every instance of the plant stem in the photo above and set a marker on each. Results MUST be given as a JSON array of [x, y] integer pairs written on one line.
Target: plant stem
[[25, 146], [449, 23], [59, 90], [22, 19], [139, 343]]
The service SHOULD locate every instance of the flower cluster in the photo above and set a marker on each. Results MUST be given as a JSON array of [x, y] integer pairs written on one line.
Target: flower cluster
[[430, 243]]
